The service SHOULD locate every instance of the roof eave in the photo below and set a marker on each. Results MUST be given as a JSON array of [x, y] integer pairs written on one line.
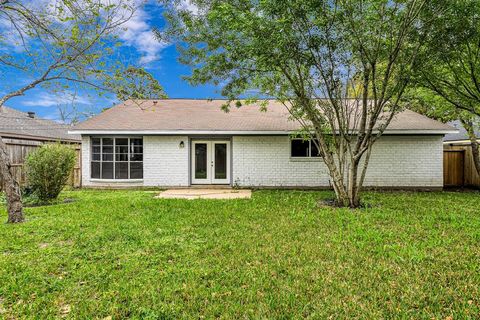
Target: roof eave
[[240, 132], [40, 138]]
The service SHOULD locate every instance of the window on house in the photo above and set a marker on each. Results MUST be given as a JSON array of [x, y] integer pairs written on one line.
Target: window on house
[[304, 149], [117, 158]]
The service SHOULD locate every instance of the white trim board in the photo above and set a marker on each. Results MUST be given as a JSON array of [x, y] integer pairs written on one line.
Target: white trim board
[[214, 132]]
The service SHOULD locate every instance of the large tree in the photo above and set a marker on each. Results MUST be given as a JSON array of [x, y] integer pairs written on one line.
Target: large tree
[[448, 88], [55, 44], [340, 67]]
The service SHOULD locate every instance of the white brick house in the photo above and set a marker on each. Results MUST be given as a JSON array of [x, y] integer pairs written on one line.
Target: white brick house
[[177, 142]]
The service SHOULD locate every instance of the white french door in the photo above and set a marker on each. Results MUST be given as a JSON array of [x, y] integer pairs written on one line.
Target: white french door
[[210, 162]]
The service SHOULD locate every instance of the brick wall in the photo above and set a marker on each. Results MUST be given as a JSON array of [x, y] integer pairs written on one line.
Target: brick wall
[[396, 161], [265, 161], [86, 160], [165, 163]]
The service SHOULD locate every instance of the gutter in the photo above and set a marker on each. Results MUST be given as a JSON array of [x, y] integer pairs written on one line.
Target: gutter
[[226, 132]]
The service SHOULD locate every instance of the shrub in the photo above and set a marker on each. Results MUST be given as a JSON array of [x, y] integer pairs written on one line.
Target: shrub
[[48, 169]]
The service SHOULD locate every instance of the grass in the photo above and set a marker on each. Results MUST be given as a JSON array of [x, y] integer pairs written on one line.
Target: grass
[[124, 254]]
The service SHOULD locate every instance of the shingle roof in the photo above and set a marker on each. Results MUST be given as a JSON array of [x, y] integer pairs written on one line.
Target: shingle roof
[[206, 115], [461, 135], [14, 123]]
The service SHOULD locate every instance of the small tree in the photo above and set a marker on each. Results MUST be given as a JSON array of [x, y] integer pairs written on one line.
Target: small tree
[[48, 169], [58, 44], [339, 67]]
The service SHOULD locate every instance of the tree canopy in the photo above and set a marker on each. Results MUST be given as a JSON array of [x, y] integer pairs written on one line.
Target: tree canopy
[[341, 68], [59, 45], [448, 86]]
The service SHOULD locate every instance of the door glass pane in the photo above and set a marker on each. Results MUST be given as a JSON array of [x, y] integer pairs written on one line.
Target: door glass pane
[[220, 161], [200, 161]]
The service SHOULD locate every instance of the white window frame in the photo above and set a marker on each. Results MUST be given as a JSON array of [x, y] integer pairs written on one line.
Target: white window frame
[[114, 158], [306, 158]]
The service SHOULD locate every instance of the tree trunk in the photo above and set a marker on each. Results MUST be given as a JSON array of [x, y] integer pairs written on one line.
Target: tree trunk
[[337, 181], [10, 187], [353, 196], [469, 127], [476, 155], [346, 192], [475, 150], [341, 194]]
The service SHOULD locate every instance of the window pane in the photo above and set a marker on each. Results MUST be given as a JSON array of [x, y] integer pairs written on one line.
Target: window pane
[[121, 142], [107, 157], [136, 170], [95, 170], [107, 170], [299, 148], [136, 157], [121, 149], [121, 170], [136, 145], [315, 151], [136, 142], [136, 150], [107, 149], [121, 157], [108, 141]]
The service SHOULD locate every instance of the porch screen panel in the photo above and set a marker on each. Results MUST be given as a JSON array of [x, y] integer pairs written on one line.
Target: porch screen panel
[[116, 158]]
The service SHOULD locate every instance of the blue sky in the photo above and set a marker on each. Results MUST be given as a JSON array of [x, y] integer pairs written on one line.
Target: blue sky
[[160, 59]]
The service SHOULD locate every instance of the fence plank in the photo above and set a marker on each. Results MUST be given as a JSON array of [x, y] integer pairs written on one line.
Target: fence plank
[[471, 177], [18, 149]]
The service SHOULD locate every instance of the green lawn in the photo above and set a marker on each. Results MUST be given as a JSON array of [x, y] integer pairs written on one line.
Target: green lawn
[[125, 254]]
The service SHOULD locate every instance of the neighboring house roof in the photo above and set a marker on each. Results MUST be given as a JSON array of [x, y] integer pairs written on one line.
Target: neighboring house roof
[[461, 135], [189, 116], [17, 124]]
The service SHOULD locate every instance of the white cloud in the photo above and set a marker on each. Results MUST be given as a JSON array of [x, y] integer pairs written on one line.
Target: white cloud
[[45, 99], [187, 5], [137, 33]]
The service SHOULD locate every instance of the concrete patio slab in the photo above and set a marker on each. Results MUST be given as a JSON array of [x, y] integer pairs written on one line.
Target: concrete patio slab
[[191, 194]]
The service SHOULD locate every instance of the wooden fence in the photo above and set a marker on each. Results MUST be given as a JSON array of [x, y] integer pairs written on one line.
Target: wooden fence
[[458, 167], [18, 149]]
